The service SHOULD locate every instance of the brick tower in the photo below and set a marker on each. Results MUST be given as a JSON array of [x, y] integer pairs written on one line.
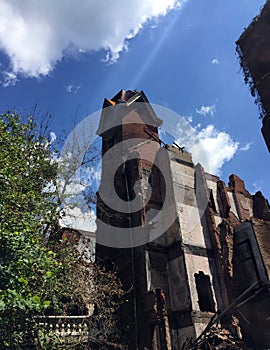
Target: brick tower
[[126, 117]]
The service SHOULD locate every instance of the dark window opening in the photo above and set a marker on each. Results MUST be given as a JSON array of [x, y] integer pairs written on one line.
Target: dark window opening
[[205, 295], [212, 201]]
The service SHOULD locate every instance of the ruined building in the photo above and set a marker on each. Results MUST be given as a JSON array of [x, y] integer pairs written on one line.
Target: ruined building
[[254, 53], [210, 265]]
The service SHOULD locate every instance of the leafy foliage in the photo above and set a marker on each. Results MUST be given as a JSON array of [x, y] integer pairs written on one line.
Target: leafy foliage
[[249, 81], [27, 266], [36, 278]]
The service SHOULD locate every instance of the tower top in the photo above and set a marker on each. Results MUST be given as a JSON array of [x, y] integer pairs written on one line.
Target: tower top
[[129, 99]]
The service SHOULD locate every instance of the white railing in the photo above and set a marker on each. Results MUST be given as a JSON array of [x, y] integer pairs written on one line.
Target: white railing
[[67, 326]]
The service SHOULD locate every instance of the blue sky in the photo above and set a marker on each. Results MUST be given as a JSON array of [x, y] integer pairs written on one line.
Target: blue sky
[[66, 56]]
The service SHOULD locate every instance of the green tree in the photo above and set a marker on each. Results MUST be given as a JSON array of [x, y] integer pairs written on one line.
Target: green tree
[[38, 278], [27, 267]]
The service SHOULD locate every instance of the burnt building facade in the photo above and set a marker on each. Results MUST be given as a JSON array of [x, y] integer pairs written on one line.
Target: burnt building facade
[[192, 253], [254, 54]]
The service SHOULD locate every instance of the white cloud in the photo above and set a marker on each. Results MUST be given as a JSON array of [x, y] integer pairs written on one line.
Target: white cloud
[[73, 184], [91, 175], [189, 118], [205, 110], [9, 79], [77, 214], [217, 147], [215, 61], [77, 219], [246, 147], [37, 34], [209, 147], [73, 89], [52, 137], [69, 88]]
